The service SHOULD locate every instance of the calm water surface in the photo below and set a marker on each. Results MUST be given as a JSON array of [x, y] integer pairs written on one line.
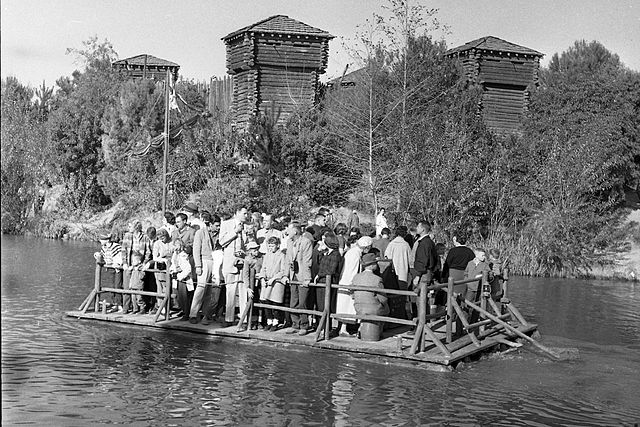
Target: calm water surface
[[63, 371]]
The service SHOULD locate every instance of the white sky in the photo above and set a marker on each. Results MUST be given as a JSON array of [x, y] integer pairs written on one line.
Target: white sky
[[36, 33]]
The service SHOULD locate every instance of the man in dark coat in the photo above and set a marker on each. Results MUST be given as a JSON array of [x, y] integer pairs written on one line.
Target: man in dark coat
[[354, 220], [426, 255]]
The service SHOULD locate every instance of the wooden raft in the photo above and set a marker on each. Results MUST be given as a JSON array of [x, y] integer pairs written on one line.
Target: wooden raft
[[394, 343], [433, 341]]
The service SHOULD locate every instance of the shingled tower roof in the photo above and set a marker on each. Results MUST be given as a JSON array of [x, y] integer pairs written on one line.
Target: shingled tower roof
[[491, 43], [146, 66], [152, 61], [281, 24]]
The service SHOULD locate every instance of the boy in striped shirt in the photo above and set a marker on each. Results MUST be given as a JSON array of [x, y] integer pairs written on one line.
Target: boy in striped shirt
[[110, 256]]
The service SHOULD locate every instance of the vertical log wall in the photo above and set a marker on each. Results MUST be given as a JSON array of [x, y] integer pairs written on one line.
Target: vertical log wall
[[507, 73], [275, 70]]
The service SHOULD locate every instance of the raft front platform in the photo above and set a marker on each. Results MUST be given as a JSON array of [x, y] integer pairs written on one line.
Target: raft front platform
[[395, 343]]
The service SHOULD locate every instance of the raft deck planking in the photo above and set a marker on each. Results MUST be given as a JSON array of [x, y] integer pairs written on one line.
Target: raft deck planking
[[392, 344]]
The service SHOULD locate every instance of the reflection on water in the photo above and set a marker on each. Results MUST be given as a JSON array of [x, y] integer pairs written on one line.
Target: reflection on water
[[62, 371]]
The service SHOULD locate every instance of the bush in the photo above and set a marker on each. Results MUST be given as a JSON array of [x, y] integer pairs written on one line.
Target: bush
[[50, 226]]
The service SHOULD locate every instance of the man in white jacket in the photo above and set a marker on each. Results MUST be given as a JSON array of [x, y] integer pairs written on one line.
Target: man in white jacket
[[207, 257], [232, 242], [399, 252]]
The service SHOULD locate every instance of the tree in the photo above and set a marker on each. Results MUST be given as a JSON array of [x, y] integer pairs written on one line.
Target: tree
[[358, 118], [24, 155], [44, 100], [585, 58], [76, 122], [592, 104], [131, 121], [310, 164], [580, 147]]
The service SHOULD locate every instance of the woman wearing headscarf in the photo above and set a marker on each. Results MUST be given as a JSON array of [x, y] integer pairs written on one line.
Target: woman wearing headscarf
[[330, 264], [350, 267]]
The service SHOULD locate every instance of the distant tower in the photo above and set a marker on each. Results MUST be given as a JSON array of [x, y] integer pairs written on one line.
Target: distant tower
[[275, 64], [147, 66], [507, 72]]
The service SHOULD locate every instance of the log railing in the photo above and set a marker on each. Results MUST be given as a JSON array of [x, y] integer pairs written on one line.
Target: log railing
[[94, 297], [323, 324], [485, 325]]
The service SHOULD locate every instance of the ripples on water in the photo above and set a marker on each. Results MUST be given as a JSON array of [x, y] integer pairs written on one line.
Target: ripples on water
[[62, 371]]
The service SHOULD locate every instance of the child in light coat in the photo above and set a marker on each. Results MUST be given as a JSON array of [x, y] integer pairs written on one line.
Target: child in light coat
[[272, 277], [475, 267], [181, 271]]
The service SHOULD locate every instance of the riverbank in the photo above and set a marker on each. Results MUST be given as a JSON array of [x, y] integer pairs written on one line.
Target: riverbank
[[627, 266]]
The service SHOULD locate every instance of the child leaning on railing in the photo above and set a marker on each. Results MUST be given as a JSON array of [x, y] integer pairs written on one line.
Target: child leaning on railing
[[496, 278]]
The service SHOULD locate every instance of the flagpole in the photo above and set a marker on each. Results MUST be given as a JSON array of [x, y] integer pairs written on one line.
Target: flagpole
[[166, 143]]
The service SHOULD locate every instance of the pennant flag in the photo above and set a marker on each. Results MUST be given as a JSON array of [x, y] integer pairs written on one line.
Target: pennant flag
[[158, 140], [173, 101]]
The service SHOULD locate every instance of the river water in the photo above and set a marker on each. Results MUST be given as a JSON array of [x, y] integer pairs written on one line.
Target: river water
[[69, 372]]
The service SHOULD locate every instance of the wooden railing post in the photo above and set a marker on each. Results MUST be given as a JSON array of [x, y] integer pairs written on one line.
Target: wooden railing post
[[327, 308], [484, 289], [449, 309], [505, 282], [97, 284], [422, 311], [418, 339], [252, 281], [167, 290]]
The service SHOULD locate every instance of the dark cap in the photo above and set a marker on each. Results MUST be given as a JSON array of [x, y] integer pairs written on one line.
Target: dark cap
[[331, 240], [369, 259], [190, 207]]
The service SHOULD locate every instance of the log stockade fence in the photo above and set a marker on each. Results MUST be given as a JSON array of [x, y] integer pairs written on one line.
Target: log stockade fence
[[441, 337]]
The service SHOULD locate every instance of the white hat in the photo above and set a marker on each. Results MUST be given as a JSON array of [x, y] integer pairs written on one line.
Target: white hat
[[365, 241]]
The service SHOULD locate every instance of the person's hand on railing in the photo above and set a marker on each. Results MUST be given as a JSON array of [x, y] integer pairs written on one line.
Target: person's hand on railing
[[305, 283]]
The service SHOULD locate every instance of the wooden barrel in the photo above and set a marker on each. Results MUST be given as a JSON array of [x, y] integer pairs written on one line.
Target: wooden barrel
[[370, 331]]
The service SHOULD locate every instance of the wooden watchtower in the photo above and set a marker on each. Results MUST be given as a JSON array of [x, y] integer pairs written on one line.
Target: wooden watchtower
[[507, 72], [275, 65], [147, 66]]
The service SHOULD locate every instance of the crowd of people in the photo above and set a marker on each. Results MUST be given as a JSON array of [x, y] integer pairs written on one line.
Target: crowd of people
[[218, 262]]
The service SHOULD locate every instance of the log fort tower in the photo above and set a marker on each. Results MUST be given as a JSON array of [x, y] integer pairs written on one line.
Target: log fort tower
[[275, 64], [507, 72]]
